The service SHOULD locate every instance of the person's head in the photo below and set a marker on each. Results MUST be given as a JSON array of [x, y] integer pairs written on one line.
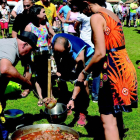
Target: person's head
[[26, 42], [64, 2], [99, 2], [74, 7], [61, 46], [84, 8], [124, 5], [46, 2], [95, 4], [37, 14], [3, 4], [121, 3], [27, 4], [4, 1], [58, 3]]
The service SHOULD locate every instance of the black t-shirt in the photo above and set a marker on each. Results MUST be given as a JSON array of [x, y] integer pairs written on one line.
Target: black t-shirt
[[21, 21]]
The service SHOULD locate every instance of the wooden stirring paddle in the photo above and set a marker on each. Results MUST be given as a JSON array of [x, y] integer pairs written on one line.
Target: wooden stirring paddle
[[50, 102]]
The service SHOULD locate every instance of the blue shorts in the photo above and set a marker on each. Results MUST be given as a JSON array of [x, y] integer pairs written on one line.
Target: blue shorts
[[132, 15]]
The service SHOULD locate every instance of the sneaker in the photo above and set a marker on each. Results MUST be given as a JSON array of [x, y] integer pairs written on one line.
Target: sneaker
[[135, 26], [82, 120], [95, 99]]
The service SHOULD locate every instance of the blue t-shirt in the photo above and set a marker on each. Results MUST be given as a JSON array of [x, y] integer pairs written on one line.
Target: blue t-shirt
[[65, 9], [77, 45]]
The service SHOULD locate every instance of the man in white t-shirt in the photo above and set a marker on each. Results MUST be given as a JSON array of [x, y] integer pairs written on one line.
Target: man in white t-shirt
[[17, 9], [120, 10], [108, 6]]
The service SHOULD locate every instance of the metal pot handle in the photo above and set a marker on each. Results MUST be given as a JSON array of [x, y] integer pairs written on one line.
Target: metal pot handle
[[19, 126]]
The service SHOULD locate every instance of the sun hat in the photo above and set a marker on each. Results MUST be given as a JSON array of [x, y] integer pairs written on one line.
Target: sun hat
[[29, 37]]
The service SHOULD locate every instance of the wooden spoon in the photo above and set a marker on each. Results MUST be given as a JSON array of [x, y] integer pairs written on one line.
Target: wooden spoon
[[50, 102]]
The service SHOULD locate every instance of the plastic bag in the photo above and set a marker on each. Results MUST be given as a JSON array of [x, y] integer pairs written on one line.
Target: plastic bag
[[138, 22], [12, 87]]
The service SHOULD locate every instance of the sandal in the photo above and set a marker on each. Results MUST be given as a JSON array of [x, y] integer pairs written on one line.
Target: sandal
[[25, 93], [40, 103]]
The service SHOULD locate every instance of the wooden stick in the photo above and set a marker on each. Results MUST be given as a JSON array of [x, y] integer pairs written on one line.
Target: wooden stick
[[49, 78]]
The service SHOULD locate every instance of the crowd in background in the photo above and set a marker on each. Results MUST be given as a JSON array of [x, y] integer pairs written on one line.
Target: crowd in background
[[64, 18]]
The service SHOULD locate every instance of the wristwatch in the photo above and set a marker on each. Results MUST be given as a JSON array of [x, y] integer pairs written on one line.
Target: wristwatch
[[72, 99], [84, 72]]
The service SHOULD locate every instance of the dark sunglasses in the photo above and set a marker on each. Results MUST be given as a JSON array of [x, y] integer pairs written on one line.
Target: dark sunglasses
[[26, 6]]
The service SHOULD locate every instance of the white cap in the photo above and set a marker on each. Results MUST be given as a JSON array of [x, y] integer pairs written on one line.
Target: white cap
[[120, 2]]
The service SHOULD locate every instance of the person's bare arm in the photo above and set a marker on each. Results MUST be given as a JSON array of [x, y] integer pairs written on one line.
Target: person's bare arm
[[14, 34], [13, 13], [80, 62], [28, 28], [98, 26], [53, 20], [51, 31], [76, 26], [8, 16], [61, 19], [135, 7], [67, 18], [9, 71]]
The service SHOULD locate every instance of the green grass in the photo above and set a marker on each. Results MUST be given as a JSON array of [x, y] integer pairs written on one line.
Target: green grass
[[131, 120]]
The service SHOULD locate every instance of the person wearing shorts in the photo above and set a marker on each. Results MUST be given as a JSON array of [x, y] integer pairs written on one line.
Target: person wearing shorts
[[4, 19], [133, 7]]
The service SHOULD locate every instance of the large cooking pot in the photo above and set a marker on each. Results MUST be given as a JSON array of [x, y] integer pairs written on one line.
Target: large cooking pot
[[56, 115], [42, 127]]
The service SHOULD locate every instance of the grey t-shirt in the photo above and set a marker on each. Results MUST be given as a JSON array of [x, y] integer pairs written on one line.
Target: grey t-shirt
[[9, 50]]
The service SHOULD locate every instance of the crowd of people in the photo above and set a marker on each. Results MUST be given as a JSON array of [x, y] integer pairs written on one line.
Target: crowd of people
[[128, 12], [90, 41]]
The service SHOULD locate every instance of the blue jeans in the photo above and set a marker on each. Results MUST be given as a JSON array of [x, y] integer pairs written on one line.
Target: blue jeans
[[86, 63], [95, 86]]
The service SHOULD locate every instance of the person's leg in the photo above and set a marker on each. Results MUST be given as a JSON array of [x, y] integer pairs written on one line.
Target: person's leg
[[123, 21], [127, 20], [110, 127], [6, 28], [41, 68], [131, 15], [2, 29], [81, 105], [28, 75], [40, 103], [66, 29], [134, 17], [87, 88]]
